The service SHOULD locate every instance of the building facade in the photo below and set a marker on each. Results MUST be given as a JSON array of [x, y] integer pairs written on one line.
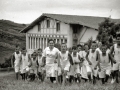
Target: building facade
[[44, 28]]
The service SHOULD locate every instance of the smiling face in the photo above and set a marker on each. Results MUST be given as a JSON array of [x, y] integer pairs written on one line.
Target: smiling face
[[103, 49], [51, 44]]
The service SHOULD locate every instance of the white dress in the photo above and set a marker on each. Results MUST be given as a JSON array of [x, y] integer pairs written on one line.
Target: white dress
[[17, 61]]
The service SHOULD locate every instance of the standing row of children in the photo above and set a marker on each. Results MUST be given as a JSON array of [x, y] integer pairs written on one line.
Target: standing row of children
[[69, 64]]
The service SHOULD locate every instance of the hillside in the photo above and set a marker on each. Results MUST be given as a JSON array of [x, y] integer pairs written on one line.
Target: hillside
[[9, 37]]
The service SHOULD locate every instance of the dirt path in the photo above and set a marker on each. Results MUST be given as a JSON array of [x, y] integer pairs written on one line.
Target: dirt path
[[5, 73]]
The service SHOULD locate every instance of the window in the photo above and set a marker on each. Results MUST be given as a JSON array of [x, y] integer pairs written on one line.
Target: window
[[39, 26], [48, 23], [57, 27]]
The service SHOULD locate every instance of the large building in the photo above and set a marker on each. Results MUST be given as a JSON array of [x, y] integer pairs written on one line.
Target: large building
[[70, 29]]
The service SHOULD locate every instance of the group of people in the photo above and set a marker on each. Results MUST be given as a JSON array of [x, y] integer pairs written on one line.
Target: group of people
[[69, 64]]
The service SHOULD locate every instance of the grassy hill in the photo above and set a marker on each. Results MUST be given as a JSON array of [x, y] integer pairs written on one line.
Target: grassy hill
[[10, 37]]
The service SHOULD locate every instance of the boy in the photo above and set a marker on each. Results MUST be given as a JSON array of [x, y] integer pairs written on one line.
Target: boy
[[83, 64], [15, 60], [41, 69], [76, 61], [65, 61], [33, 66], [115, 49], [104, 63], [25, 60], [50, 55], [91, 57]]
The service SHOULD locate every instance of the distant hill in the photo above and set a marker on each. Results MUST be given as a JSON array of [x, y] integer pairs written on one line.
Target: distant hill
[[10, 37]]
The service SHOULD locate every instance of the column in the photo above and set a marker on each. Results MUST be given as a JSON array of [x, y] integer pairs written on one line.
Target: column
[[56, 40], [60, 40], [63, 40], [27, 41], [38, 46], [35, 42], [43, 43], [40, 43], [46, 42], [30, 42]]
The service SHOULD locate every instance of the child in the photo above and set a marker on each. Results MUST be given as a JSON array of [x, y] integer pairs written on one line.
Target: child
[[104, 58], [41, 69], [65, 60], [116, 51], [84, 64], [91, 57], [71, 70], [25, 59], [76, 61], [15, 60], [34, 66]]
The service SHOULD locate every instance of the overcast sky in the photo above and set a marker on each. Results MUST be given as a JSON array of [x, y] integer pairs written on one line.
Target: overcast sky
[[26, 11]]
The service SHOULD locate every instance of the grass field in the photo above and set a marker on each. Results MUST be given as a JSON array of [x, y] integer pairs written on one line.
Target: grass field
[[8, 82]]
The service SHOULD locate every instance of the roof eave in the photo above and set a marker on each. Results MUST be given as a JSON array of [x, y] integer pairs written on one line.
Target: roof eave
[[32, 24]]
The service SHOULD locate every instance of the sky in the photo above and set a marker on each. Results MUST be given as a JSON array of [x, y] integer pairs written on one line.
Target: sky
[[26, 11]]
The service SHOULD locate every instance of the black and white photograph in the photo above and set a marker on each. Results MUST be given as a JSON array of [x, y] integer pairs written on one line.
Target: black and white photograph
[[59, 44]]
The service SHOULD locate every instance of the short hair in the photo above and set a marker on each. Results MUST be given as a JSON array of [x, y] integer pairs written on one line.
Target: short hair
[[74, 47], [23, 48], [69, 49], [39, 49], [79, 45], [17, 46], [51, 40], [93, 41], [86, 44], [63, 43], [34, 53]]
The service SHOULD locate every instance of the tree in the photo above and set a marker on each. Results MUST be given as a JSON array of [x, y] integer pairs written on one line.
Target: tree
[[107, 31]]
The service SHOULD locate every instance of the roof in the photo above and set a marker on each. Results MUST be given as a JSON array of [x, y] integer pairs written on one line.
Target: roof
[[89, 21]]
